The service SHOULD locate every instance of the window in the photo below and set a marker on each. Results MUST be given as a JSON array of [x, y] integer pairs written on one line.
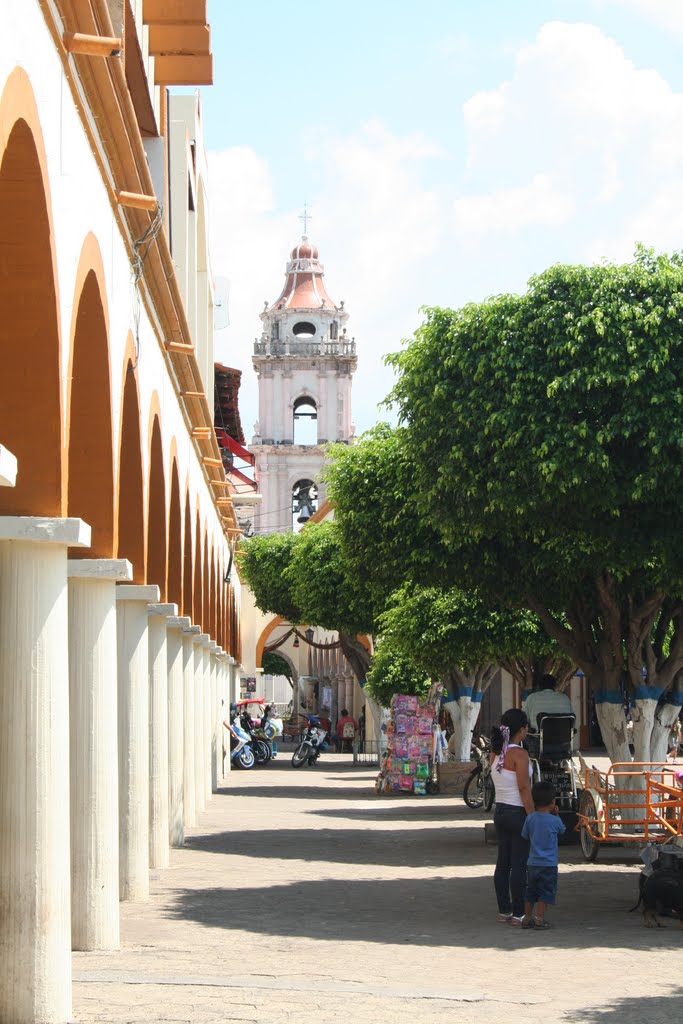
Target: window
[[303, 330]]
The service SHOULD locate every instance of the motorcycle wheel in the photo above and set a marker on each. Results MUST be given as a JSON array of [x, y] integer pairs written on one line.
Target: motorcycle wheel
[[245, 759], [473, 793], [300, 755], [489, 793], [261, 751]]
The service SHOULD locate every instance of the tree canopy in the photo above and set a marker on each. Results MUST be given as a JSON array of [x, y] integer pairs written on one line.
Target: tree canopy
[[547, 434]]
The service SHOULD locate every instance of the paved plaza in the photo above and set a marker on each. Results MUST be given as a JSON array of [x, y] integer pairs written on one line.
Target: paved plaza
[[301, 896]]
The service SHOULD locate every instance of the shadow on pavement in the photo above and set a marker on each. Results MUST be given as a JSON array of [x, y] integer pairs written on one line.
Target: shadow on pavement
[[653, 1009], [409, 848], [434, 911]]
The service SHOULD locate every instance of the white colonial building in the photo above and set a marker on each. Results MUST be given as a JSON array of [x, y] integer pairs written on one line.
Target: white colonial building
[[305, 361]]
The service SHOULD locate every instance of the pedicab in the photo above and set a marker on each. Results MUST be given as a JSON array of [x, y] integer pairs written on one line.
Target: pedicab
[[631, 802]]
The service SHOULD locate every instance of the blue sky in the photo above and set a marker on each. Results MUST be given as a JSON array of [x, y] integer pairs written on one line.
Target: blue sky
[[447, 149]]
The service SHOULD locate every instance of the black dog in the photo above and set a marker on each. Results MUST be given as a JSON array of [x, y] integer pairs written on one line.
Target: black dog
[[661, 892]]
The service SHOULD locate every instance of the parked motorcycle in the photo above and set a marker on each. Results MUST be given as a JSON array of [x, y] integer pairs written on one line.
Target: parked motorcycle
[[260, 746], [241, 752], [312, 743]]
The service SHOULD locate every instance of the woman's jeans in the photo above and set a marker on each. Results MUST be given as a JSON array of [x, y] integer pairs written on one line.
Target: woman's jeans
[[509, 877]]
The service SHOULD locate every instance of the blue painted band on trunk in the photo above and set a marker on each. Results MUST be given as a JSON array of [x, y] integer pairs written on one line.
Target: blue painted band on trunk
[[645, 692], [608, 697], [466, 691], [675, 698]]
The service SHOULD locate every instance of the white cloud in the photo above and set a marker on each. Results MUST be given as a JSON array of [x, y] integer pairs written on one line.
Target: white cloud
[[577, 136], [509, 209]]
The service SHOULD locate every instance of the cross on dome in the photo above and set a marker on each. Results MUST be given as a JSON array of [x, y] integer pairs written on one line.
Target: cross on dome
[[305, 217]]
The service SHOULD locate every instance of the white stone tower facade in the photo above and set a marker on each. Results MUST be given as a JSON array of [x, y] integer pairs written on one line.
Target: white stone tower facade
[[305, 361]]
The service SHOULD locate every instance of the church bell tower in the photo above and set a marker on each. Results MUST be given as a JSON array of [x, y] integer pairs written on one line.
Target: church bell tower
[[305, 361]]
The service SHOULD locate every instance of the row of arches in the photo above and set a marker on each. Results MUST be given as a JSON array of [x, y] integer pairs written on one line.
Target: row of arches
[[77, 430]]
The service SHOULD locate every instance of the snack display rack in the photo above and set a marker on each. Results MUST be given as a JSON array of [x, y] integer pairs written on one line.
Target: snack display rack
[[408, 764]]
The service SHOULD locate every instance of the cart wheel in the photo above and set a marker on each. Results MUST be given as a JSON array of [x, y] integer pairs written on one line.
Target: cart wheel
[[589, 845], [432, 787]]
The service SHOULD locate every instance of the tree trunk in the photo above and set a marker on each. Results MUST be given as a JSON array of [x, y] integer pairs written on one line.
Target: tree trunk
[[665, 717], [357, 656], [612, 722], [464, 713]]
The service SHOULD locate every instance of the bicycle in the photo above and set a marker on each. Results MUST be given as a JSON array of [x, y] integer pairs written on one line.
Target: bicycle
[[479, 791]]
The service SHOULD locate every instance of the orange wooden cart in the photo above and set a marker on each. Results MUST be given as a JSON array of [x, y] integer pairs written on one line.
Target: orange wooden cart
[[631, 802]]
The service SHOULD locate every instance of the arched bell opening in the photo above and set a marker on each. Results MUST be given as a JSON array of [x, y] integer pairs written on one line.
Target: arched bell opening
[[305, 429], [304, 503]]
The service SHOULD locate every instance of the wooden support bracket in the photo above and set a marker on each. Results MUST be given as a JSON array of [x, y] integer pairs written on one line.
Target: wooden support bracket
[[137, 201], [178, 346], [91, 46]]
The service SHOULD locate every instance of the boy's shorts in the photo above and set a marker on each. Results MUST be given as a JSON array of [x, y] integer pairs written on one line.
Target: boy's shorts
[[541, 884]]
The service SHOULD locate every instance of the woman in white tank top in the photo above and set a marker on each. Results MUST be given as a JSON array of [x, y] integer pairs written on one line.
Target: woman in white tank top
[[511, 774]]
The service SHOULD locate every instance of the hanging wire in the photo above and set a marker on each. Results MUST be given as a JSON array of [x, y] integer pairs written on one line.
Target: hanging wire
[[140, 250]]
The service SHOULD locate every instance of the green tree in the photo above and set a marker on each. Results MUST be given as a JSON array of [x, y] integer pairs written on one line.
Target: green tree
[[547, 435], [461, 639], [304, 578], [275, 665]]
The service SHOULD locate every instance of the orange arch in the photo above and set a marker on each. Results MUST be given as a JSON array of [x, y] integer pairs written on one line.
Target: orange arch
[[130, 492], [261, 642], [197, 611], [30, 339], [188, 564], [156, 506], [89, 431], [174, 570]]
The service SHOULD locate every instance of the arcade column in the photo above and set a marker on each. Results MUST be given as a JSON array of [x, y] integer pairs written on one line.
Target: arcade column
[[94, 750], [158, 615], [189, 790], [174, 655], [133, 693], [35, 890]]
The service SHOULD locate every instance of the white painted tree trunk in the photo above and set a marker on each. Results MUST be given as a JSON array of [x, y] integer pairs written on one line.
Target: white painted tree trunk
[[612, 722], [661, 731], [643, 715], [464, 713]]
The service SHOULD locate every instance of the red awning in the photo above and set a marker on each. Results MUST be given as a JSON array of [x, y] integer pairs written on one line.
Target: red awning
[[231, 471], [225, 441]]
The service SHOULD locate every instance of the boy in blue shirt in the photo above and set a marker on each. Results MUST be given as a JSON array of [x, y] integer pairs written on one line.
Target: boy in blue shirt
[[541, 829]]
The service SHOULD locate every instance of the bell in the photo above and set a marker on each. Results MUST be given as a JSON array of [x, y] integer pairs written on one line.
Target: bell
[[304, 514], [296, 641]]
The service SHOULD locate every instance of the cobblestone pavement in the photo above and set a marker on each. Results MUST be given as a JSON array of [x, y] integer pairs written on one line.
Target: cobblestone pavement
[[303, 897]]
